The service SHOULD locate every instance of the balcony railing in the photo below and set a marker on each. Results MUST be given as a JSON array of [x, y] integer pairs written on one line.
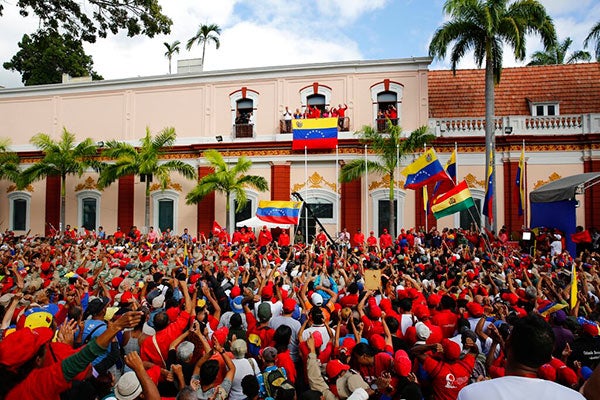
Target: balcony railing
[[243, 130], [518, 125], [382, 123], [343, 124]]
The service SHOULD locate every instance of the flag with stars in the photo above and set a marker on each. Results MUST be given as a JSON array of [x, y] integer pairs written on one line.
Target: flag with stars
[[424, 170], [315, 133], [279, 212]]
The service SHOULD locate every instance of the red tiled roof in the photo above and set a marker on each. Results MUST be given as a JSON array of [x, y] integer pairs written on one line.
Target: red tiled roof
[[575, 86]]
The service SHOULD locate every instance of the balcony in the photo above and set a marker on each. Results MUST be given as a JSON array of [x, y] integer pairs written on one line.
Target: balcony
[[382, 123], [518, 125], [243, 131], [343, 124]]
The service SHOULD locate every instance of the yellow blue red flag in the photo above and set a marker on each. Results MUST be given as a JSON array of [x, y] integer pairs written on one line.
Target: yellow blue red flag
[[314, 133], [424, 170], [279, 212]]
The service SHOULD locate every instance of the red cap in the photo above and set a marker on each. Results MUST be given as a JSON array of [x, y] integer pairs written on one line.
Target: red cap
[[348, 344], [421, 311], [116, 282], [475, 309], [267, 291], [402, 363], [335, 367], [378, 342], [567, 376], [547, 372], [451, 349], [235, 292], [46, 266], [126, 297], [81, 271], [220, 335], [318, 339], [172, 313], [22, 345], [591, 329], [434, 299], [289, 305]]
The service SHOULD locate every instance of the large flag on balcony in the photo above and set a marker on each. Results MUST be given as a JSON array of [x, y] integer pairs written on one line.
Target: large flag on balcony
[[456, 199], [279, 212], [315, 133], [488, 209], [520, 181], [424, 170]]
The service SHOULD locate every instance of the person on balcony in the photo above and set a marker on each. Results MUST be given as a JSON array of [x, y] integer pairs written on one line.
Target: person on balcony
[[287, 117], [251, 119], [297, 114], [341, 115]]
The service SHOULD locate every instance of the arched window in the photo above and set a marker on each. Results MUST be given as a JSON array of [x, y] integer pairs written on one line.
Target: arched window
[[317, 100], [88, 209], [164, 206], [18, 210], [244, 103], [380, 202], [387, 102], [323, 205], [248, 211], [316, 95]]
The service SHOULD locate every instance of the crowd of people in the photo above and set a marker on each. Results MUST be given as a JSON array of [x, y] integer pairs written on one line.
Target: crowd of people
[[451, 314], [309, 111]]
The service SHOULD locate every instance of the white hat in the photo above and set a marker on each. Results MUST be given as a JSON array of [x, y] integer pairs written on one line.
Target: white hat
[[128, 387], [316, 299], [158, 301], [423, 332]]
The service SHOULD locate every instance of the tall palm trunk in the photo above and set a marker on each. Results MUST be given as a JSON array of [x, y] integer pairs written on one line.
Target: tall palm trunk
[[203, 51], [490, 136], [169, 65], [147, 207], [63, 201]]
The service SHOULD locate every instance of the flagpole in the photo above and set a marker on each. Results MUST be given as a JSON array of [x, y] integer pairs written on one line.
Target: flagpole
[[305, 194], [524, 183], [456, 162], [366, 191], [422, 194], [396, 211], [337, 189]]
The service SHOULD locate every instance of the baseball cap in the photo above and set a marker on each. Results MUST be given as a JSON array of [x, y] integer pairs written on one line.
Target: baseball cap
[[269, 354], [289, 305], [236, 304], [402, 363], [451, 349], [264, 312], [128, 387], [335, 368], [316, 299], [158, 301], [21, 345]]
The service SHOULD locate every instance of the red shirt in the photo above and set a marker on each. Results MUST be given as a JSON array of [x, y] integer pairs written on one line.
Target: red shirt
[[148, 351], [449, 378], [284, 239], [264, 238], [385, 241], [371, 327], [358, 239], [42, 383], [285, 361], [372, 241], [350, 300], [446, 320]]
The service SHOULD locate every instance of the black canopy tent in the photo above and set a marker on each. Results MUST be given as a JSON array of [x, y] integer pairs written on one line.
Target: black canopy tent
[[553, 204]]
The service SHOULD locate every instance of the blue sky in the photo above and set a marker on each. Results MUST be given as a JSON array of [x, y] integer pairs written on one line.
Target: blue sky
[[276, 32]]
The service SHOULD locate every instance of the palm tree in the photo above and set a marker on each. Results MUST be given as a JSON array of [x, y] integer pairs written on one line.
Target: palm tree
[[171, 49], [61, 158], [227, 180], [144, 161], [9, 162], [594, 39], [205, 34], [557, 54], [484, 27], [390, 148]]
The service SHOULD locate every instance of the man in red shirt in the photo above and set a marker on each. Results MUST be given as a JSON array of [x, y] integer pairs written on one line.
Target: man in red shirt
[[358, 240], [284, 239], [372, 241], [449, 374], [446, 319], [264, 238], [385, 240], [156, 348]]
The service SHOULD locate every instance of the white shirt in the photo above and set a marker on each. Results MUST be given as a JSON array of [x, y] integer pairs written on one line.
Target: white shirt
[[518, 388], [242, 368], [556, 248]]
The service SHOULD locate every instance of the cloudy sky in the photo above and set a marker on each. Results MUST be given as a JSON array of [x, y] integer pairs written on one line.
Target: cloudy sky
[[276, 32]]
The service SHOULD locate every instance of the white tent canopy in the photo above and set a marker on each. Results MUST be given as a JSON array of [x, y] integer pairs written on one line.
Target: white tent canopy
[[255, 222]]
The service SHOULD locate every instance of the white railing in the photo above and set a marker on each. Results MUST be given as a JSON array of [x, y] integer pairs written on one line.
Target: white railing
[[518, 125]]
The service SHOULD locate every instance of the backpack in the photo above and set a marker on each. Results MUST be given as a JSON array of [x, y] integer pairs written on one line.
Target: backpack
[[274, 380]]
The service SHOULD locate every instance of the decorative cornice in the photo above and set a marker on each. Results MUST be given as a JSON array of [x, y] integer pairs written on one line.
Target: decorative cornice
[[472, 181], [315, 181], [170, 185], [385, 183], [88, 184], [553, 177], [13, 188]]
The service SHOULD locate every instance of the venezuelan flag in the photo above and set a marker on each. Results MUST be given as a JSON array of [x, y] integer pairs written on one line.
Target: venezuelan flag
[[550, 308], [520, 181], [315, 133], [445, 185], [424, 170], [279, 212], [456, 199], [488, 209]]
